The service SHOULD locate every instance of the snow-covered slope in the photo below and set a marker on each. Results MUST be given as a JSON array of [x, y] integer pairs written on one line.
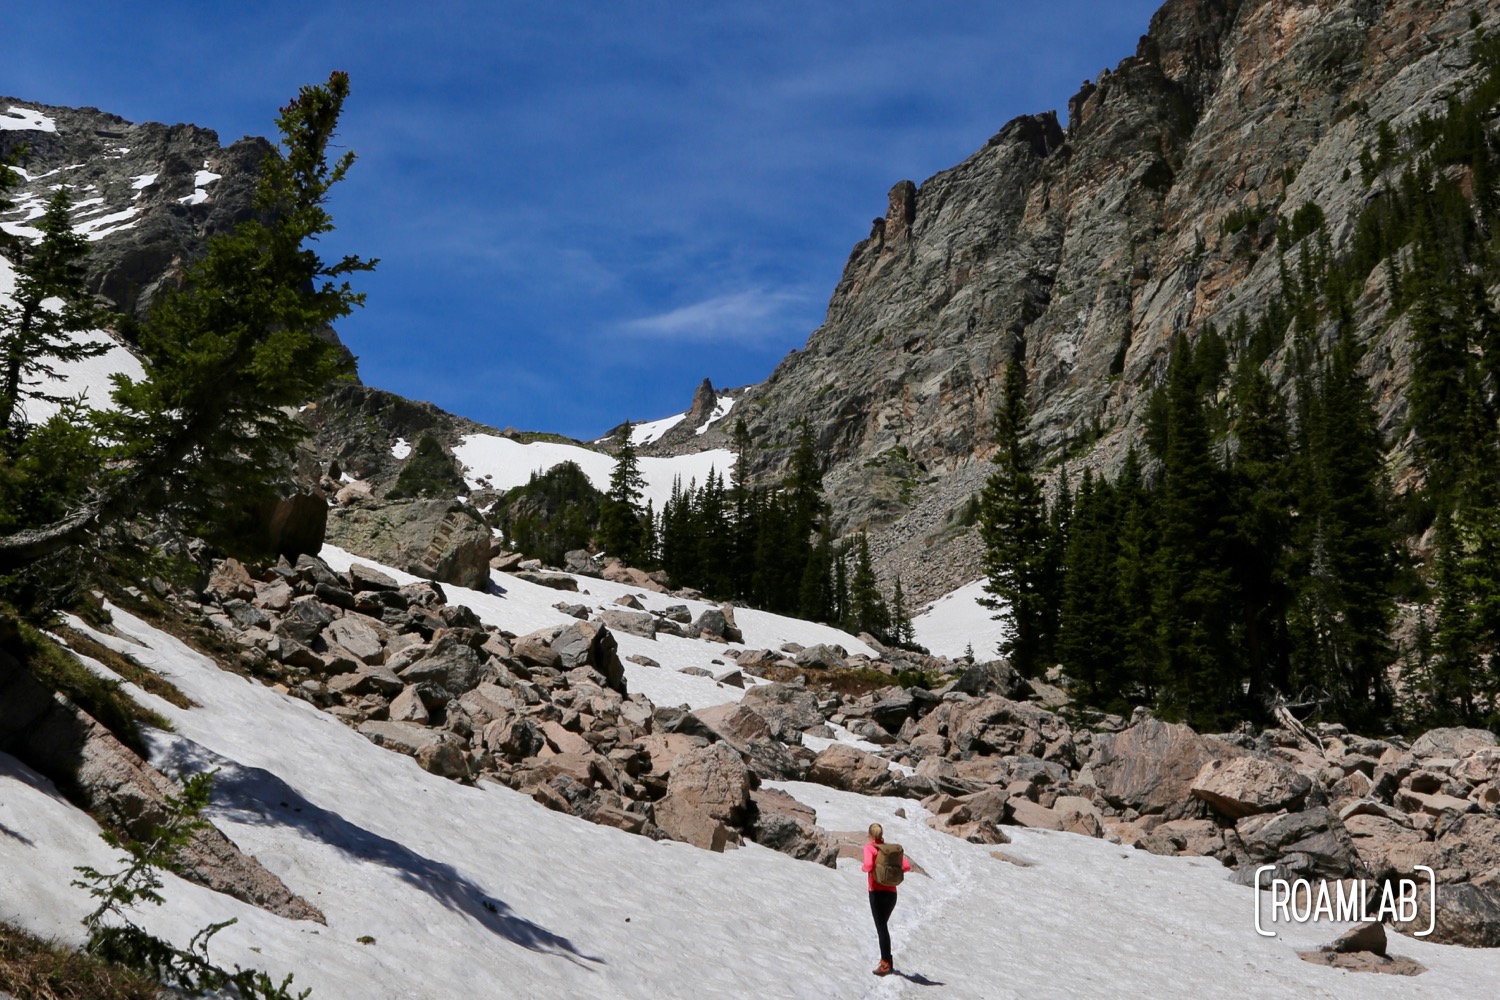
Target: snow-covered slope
[[956, 622], [649, 431], [88, 378], [521, 607], [501, 463], [479, 891]]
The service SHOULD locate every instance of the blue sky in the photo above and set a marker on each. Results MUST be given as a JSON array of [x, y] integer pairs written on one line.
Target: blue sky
[[583, 209]]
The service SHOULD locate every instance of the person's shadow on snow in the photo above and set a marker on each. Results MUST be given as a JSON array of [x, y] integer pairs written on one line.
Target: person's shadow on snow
[[917, 978], [254, 795]]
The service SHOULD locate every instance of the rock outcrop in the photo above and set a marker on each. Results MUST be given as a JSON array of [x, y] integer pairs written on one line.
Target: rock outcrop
[[444, 540], [124, 792], [1086, 249]]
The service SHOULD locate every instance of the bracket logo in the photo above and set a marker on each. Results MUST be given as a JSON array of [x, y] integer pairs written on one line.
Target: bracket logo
[[1299, 901]]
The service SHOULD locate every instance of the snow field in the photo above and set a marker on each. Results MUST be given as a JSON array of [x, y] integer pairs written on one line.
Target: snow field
[[521, 607], [25, 120], [473, 888], [89, 377], [480, 891], [502, 464], [652, 430], [955, 621]]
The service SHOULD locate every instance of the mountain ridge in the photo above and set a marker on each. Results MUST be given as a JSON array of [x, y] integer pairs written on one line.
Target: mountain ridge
[[1090, 259]]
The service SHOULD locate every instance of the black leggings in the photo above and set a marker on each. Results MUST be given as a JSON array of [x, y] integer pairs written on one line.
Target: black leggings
[[882, 903]]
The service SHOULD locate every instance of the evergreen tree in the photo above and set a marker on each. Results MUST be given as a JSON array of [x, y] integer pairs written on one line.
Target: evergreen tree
[[1443, 367], [815, 595], [902, 630], [715, 542], [36, 337], [780, 555], [1013, 525], [1261, 483], [228, 357], [842, 608], [1134, 677], [1088, 644], [868, 608], [1346, 591], [744, 522], [556, 512], [1200, 681], [1059, 530], [804, 485], [620, 521], [429, 472]]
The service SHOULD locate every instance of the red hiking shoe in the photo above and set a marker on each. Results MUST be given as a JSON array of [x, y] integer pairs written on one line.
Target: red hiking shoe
[[884, 968]]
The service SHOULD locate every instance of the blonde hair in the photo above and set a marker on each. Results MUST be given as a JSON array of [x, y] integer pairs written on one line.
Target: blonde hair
[[876, 831]]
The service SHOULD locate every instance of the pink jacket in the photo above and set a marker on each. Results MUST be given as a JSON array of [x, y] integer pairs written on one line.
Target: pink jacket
[[869, 866]]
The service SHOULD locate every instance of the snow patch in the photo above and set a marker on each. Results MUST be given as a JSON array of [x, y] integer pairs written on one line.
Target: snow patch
[[957, 621], [201, 180], [94, 228], [652, 430], [721, 410], [401, 448], [25, 120], [142, 181], [501, 463]]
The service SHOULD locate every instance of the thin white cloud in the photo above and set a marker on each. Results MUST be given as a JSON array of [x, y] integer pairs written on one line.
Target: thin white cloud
[[749, 315]]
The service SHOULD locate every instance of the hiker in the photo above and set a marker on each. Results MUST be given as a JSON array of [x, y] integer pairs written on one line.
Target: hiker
[[883, 895]]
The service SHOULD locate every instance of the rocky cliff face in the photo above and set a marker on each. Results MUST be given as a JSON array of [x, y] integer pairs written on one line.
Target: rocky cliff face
[[1085, 250], [148, 195]]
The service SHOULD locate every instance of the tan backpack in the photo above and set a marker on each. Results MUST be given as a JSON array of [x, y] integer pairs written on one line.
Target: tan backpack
[[889, 869]]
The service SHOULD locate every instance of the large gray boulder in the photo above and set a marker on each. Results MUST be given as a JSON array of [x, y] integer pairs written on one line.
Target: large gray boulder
[[787, 709], [408, 738], [632, 622], [998, 726], [744, 729], [1467, 915], [1468, 847], [295, 524], [1243, 786], [708, 792], [717, 623], [589, 644], [442, 540], [1389, 847], [993, 677], [1150, 767], [853, 770], [786, 825], [449, 669], [822, 656], [1313, 842], [1451, 743]]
